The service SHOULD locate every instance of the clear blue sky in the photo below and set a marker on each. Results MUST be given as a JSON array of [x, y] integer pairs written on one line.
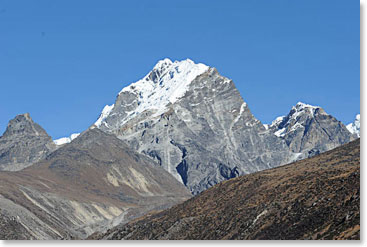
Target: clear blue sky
[[62, 61]]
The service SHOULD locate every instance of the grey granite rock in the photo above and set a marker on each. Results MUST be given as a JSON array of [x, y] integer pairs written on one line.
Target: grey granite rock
[[23, 143], [206, 136]]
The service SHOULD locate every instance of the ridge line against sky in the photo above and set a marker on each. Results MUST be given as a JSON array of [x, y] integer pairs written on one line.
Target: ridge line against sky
[[62, 61]]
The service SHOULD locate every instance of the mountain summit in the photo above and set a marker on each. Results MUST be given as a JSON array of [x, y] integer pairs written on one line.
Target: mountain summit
[[23, 124], [164, 85], [355, 127], [23, 143], [194, 123], [308, 130]]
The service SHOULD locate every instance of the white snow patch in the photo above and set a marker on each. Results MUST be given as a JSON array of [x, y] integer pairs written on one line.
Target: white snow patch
[[195, 104], [242, 108], [65, 140], [280, 132], [355, 127], [301, 105], [105, 112], [226, 81], [277, 121], [296, 126], [303, 108], [296, 156]]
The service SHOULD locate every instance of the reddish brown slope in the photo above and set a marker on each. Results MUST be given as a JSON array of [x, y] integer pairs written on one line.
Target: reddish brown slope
[[316, 198]]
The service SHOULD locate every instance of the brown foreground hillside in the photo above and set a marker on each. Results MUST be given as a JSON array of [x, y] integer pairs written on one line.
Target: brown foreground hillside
[[316, 198]]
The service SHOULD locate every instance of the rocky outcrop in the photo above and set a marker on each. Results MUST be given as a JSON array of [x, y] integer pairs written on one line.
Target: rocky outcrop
[[23, 143], [12, 229], [316, 198], [308, 130], [90, 184]]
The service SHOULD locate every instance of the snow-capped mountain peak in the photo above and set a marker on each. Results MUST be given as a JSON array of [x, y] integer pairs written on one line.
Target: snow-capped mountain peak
[[301, 107], [282, 124], [169, 77], [354, 127], [161, 64], [166, 83]]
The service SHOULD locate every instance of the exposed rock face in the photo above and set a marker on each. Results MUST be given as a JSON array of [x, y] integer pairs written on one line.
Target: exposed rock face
[[355, 127], [309, 130], [202, 131], [12, 229], [23, 143], [90, 184], [315, 198]]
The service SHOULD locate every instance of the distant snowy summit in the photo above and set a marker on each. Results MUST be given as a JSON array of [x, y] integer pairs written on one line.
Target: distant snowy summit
[[354, 127], [65, 140], [308, 130], [286, 124]]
